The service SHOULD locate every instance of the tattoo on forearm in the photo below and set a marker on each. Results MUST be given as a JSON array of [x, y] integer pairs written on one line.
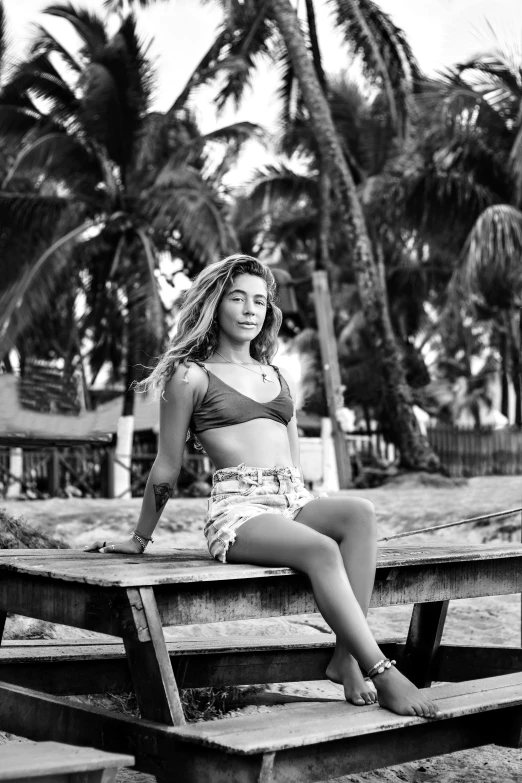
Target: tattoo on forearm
[[162, 494]]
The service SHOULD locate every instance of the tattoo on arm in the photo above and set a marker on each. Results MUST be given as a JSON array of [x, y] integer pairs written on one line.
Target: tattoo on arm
[[162, 494]]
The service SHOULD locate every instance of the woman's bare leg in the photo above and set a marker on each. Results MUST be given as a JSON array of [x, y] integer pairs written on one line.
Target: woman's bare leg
[[351, 523], [270, 539]]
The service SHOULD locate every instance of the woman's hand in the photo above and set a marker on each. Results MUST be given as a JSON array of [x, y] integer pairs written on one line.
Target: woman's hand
[[128, 547]]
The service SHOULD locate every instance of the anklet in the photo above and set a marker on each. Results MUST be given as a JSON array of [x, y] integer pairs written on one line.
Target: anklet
[[142, 540], [380, 667]]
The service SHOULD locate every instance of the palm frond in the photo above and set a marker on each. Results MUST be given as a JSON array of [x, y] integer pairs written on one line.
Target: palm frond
[[492, 255], [60, 156], [182, 203], [38, 78], [384, 52], [3, 35], [30, 295], [45, 43], [515, 159], [248, 29], [89, 26]]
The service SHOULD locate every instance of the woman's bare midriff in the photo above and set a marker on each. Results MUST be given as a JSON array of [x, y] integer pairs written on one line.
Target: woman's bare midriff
[[260, 443]]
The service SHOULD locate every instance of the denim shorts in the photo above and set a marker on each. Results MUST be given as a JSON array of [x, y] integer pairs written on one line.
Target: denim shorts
[[242, 492]]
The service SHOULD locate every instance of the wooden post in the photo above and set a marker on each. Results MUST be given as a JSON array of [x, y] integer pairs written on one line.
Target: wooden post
[[54, 473], [332, 376]]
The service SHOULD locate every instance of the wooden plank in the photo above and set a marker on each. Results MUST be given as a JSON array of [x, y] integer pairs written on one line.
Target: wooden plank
[[25, 760], [149, 663], [84, 606], [331, 372], [346, 756], [3, 618], [107, 610], [104, 669], [280, 595], [306, 725], [39, 716], [457, 662], [181, 566], [423, 641]]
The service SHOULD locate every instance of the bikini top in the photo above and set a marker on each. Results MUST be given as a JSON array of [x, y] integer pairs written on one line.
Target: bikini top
[[222, 405]]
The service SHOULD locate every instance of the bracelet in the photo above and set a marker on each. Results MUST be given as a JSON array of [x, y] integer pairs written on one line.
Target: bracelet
[[380, 667], [142, 540]]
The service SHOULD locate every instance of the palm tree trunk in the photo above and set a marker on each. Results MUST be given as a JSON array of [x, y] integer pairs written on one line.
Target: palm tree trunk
[[504, 376], [516, 363], [414, 448]]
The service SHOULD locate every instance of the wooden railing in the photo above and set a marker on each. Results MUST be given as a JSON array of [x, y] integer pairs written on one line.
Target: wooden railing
[[478, 453]]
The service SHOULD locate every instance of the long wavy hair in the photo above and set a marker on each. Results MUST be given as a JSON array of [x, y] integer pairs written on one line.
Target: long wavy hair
[[197, 331]]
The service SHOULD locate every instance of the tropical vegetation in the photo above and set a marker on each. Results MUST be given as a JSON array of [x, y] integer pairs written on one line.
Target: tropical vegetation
[[406, 190]]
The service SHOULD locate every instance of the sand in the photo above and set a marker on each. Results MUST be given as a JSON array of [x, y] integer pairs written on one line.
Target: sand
[[407, 504]]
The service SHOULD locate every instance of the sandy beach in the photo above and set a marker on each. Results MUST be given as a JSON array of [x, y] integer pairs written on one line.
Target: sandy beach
[[407, 504]]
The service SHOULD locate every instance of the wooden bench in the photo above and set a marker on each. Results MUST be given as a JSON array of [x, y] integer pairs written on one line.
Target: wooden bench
[[315, 742], [55, 762], [72, 666], [133, 597]]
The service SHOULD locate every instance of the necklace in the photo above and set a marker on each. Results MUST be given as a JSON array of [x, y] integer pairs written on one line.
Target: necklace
[[265, 377]]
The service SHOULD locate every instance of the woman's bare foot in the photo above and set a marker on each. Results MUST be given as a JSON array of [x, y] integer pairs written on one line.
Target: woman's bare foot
[[398, 694], [345, 671]]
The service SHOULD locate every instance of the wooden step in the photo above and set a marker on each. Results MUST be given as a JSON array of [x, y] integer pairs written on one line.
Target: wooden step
[[49, 760], [77, 667], [318, 741], [308, 725]]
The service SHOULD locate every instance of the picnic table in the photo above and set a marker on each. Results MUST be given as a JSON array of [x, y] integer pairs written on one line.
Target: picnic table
[[134, 597]]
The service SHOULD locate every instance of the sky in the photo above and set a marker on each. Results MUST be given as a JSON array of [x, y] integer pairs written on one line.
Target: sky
[[440, 33]]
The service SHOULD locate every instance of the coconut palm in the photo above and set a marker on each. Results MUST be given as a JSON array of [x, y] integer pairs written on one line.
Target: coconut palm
[[462, 192], [99, 188], [249, 28], [115, 186]]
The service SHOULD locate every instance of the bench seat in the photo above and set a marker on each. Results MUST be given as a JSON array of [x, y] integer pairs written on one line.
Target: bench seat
[[56, 762], [79, 666], [322, 740]]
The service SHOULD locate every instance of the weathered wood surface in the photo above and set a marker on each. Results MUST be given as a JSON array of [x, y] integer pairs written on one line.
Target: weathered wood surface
[[196, 663], [24, 760], [149, 663], [423, 641], [307, 725], [40, 716], [107, 610], [178, 566], [75, 667], [158, 752]]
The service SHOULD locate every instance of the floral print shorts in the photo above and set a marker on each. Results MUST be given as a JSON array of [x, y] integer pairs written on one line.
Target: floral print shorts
[[242, 492]]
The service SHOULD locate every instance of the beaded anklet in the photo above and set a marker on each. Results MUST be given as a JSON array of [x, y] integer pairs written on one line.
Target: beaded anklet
[[380, 667], [142, 540]]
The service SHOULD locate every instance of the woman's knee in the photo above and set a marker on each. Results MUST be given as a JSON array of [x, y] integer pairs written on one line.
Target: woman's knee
[[322, 552], [361, 512]]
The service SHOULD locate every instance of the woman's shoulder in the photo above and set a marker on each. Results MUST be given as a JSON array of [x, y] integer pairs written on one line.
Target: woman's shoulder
[[288, 378], [188, 376]]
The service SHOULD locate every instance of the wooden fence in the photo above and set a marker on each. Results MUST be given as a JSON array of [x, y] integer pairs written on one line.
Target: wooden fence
[[478, 453], [59, 471]]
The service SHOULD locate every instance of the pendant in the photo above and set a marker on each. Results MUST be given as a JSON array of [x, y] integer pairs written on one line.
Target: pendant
[[265, 377]]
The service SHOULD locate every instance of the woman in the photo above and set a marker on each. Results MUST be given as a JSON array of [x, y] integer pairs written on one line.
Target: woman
[[216, 381]]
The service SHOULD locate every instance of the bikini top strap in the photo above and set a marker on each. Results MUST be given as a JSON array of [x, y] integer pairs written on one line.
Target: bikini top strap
[[200, 364]]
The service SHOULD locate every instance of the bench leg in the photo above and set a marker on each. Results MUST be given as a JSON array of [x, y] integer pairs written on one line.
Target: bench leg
[[424, 635], [3, 618], [149, 662]]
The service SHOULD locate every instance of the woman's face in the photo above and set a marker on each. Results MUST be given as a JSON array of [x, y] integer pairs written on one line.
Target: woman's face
[[242, 310]]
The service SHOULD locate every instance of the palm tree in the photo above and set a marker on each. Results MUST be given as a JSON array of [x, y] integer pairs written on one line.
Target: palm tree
[[248, 31], [99, 188], [462, 191]]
